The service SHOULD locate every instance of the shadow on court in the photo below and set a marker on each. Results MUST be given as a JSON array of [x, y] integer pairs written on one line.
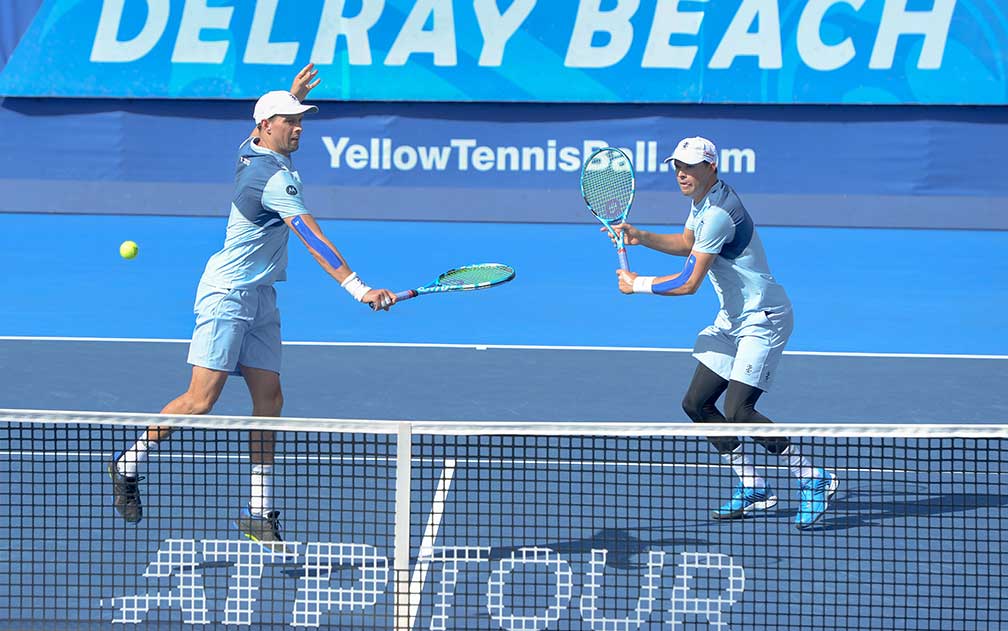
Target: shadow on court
[[866, 506], [623, 546]]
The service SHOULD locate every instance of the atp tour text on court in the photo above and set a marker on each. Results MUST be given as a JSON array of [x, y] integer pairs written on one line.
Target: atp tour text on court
[[672, 587]]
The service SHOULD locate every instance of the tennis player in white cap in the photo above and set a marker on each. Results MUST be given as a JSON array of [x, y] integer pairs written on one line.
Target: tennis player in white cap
[[737, 355], [237, 321]]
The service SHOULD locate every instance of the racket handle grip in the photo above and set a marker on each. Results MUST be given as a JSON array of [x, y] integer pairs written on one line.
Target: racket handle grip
[[624, 265], [406, 295]]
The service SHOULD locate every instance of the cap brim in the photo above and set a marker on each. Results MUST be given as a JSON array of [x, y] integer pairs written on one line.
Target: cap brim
[[303, 109], [672, 158]]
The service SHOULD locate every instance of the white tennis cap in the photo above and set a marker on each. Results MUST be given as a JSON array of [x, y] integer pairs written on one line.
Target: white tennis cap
[[279, 102], [694, 151]]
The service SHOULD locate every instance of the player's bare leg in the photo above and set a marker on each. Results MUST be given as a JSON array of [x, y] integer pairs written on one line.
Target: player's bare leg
[[259, 521], [205, 388]]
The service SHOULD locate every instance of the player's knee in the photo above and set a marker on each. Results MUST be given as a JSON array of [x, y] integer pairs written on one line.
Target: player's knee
[[200, 402], [742, 412], [269, 403], [693, 408], [735, 411], [277, 402]]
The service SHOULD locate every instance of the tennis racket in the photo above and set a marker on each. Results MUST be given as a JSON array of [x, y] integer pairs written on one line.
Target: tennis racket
[[607, 185], [465, 278]]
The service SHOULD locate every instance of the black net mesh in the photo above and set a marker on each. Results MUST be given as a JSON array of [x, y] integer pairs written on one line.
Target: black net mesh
[[517, 528]]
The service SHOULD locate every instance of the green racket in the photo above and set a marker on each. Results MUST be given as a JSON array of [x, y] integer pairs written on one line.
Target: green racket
[[465, 278]]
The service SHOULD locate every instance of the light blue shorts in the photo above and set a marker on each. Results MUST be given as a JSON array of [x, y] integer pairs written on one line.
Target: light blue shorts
[[236, 327], [748, 351]]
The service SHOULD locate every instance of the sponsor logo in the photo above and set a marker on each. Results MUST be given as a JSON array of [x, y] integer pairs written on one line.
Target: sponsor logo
[[472, 155]]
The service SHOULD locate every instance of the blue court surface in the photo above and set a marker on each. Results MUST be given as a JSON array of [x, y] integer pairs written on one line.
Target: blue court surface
[[891, 327]]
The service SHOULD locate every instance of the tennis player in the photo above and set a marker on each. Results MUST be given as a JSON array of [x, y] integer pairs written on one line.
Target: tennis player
[[737, 355], [237, 322]]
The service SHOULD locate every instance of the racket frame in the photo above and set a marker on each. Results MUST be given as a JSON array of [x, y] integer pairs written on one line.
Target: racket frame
[[617, 236], [436, 287]]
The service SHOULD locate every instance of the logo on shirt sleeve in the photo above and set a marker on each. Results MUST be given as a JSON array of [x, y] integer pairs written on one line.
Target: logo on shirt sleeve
[[291, 189]]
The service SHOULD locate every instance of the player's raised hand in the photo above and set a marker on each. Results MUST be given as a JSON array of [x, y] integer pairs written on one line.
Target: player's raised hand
[[305, 81], [379, 299], [626, 280]]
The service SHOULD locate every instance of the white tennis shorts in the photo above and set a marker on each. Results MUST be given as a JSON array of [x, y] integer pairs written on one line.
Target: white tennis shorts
[[236, 327], [749, 351]]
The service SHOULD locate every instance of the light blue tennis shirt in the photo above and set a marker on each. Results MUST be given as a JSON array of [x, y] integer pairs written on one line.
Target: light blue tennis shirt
[[267, 190], [740, 274]]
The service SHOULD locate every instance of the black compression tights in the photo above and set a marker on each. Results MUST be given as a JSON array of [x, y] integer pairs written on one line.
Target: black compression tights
[[700, 404]]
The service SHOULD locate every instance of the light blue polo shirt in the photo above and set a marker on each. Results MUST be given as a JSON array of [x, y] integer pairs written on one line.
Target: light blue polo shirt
[[740, 274], [267, 190]]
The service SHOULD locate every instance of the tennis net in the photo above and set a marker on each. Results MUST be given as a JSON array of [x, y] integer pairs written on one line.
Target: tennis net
[[520, 526]]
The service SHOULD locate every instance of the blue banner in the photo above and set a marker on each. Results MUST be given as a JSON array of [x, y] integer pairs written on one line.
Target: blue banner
[[815, 166], [15, 16], [680, 51]]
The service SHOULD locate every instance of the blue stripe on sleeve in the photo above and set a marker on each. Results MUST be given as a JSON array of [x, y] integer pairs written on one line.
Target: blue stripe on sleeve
[[315, 243], [678, 281]]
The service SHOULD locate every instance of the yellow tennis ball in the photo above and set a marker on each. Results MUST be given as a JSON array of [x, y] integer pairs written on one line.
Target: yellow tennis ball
[[128, 249]]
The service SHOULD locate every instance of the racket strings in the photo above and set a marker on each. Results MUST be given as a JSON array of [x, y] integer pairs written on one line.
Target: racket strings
[[486, 274], [608, 185]]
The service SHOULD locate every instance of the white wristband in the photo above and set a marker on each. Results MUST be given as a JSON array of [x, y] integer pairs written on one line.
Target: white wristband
[[642, 284], [355, 287]]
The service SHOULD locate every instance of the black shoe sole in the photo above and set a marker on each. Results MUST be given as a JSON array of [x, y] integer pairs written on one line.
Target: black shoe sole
[[129, 519]]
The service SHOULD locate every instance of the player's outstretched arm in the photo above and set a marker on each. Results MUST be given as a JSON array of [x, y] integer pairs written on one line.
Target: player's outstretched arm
[[684, 283], [677, 244], [330, 259]]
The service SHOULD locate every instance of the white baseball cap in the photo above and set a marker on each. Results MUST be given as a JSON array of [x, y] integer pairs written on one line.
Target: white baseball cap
[[694, 151], [279, 102]]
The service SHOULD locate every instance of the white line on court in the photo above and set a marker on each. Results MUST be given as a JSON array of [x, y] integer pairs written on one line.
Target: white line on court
[[429, 538], [533, 347]]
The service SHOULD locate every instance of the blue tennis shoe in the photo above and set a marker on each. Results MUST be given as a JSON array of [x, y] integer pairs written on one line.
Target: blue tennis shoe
[[744, 501], [815, 495]]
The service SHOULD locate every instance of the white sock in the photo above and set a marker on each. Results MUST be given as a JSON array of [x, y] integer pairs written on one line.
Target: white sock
[[798, 464], [743, 465], [262, 490], [131, 459]]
